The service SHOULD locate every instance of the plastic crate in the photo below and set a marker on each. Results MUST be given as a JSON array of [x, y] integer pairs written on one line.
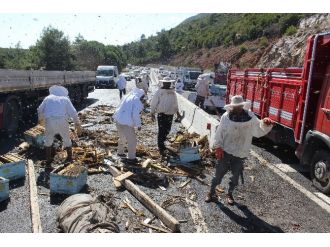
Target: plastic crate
[[13, 170], [67, 184], [4, 189]]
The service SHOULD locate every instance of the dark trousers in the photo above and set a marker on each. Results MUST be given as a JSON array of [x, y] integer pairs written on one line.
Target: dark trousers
[[228, 162], [121, 92], [164, 128], [200, 101]]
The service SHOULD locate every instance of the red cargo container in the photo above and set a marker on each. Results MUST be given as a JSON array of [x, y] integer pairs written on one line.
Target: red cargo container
[[298, 100]]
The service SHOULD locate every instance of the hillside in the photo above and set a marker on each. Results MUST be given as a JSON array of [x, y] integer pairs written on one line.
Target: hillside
[[244, 39]]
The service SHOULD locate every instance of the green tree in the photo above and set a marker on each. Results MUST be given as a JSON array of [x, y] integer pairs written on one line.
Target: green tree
[[164, 45], [291, 30], [54, 50], [88, 54]]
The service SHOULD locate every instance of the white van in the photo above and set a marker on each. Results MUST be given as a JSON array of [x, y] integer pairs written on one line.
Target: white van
[[106, 76]]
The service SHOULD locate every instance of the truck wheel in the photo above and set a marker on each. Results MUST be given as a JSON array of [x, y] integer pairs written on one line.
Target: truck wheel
[[12, 115], [320, 171]]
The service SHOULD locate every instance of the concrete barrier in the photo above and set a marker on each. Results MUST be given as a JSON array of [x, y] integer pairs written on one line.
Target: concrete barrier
[[195, 119]]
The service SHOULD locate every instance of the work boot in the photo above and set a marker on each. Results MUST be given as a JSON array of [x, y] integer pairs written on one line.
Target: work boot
[[211, 197], [230, 199], [69, 154], [130, 161], [122, 155]]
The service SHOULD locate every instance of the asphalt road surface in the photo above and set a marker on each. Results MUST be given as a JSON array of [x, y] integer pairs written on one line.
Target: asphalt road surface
[[277, 195]]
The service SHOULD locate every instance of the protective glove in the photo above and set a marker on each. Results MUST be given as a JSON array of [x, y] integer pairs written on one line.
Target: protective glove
[[78, 129], [219, 153], [268, 121]]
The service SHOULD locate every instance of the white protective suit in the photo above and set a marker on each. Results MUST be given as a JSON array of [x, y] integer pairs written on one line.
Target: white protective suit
[[164, 101], [202, 86], [56, 109], [127, 116], [143, 84], [129, 109], [121, 82], [236, 137], [179, 86]]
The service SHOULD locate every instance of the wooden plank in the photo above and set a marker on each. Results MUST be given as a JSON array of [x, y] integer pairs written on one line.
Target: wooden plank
[[117, 183], [124, 176], [35, 215], [154, 227], [153, 207]]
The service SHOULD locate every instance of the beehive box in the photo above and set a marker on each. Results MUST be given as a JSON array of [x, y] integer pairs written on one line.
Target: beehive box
[[12, 166], [67, 184], [189, 154], [35, 136], [4, 189]]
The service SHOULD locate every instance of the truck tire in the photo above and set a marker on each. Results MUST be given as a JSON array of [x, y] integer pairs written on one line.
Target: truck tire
[[320, 171], [12, 115]]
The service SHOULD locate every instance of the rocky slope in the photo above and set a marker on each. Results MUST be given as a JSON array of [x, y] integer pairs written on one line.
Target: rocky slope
[[287, 51]]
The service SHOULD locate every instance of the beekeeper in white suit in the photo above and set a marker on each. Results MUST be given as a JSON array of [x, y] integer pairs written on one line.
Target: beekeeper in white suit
[[56, 110], [232, 142], [143, 82], [127, 117]]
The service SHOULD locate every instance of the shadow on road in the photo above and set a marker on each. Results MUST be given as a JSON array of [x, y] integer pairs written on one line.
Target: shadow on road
[[284, 152], [4, 204], [86, 103], [16, 183], [250, 223], [7, 143]]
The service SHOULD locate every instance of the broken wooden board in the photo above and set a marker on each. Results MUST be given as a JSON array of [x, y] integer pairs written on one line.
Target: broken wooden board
[[117, 183], [155, 227], [35, 214], [153, 207], [146, 163], [124, 176]]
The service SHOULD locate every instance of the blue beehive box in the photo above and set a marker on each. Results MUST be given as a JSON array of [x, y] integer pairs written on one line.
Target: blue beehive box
[[35, 136], [12, 167], [4, 189], [189, 154], [63, 184]]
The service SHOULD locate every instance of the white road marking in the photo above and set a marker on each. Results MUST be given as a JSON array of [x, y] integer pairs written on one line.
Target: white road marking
[[323, 197], [307, 193], [294, 168], [285, 168], [197, 216]]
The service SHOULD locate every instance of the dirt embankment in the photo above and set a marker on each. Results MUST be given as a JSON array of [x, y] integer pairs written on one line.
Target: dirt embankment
[[287, 51]]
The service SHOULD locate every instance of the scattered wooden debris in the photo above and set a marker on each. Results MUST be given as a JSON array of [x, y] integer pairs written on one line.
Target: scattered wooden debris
[[155, 227], [135, 211], [146, 163], [153, 207], [184, 184], [124, 176]]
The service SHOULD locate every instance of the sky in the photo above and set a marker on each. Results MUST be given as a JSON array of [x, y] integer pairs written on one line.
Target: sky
[[112, 28]]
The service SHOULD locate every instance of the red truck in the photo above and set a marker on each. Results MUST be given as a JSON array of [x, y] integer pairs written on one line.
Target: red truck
[[22, 90], [298, 100]]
